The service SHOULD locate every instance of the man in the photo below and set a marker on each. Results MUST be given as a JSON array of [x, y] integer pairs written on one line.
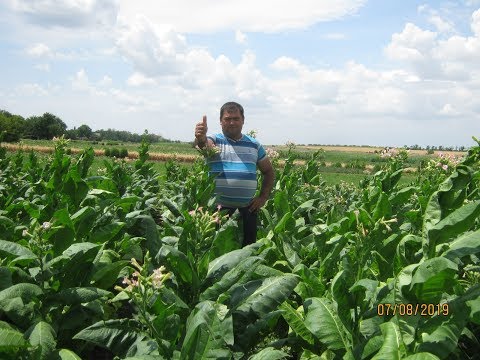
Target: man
[[236, 167]]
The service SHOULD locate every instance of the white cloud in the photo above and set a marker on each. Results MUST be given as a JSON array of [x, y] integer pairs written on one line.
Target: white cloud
[[269, 15], [285, 63], [448, 110], [81, 83], [106, 81], [442, 25], [240, 37], [67, 13], [138, 79], [476, 23], [39, 50], [412, 44], [432, 57], [152, 49]]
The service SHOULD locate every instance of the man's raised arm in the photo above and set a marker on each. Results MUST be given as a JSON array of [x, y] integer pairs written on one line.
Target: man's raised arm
[[201, 139]]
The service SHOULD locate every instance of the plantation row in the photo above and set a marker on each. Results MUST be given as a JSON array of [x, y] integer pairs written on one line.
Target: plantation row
[[339, 162], [116, 265]]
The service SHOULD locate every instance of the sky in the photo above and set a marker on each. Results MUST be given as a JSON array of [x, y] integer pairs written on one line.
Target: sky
[[343, 72]]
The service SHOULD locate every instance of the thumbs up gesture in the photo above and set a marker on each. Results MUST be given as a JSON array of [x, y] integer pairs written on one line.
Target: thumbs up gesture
[[201, 131]]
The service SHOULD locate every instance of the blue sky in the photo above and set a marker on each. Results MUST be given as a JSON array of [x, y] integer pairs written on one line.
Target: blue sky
[[350, 72]]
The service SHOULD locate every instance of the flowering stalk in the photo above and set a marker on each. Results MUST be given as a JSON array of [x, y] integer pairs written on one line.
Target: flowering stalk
[[208, 151], [252, 133], [143, 288], [39, 246]]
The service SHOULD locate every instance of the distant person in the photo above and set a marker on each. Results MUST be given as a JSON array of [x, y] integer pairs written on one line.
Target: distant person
[[235, 167]]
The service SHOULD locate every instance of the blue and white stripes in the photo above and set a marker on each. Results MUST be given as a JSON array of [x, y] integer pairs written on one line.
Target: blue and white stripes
[[235, 168]]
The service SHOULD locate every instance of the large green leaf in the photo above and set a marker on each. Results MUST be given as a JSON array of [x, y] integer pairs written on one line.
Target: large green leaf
[[107, 274], [209, 333], [322, 320], [474, 306], [296, 322], [116, 335], [383, 208], [311, 284], [223, 264], [66, 354], [432, 278], [406, 251], [25, 291], [286, 223], [393, 347], [75, 187], [440, 333], [338, 243], [263, 296], [281, 203], [269, 353], [83, 221], [442, 338], [43, 335], [11, 339], [11, 248], [422, 356], [76, 270], [19, 312], [307, 205], [340, 290], [225, 240], [80, 295], [464, 245], [402, 195], [106, 232], [455, 223], [145, 226], [5, 277], [237, 276]]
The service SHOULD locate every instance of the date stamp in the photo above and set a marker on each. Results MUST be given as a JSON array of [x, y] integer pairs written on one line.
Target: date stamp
[[413, 309]]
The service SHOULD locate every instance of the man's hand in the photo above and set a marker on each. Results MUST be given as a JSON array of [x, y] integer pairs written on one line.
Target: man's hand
[[257, 203], [201, 132]]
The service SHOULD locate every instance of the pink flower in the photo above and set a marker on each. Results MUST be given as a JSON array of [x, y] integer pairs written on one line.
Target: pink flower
[[445, 167], [219, 207], [191, 212]]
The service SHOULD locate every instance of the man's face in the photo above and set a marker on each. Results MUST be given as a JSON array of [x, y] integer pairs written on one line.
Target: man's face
[[232, 123]]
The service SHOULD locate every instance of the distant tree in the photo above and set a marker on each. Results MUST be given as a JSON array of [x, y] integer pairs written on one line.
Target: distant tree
[[44, 127], [71, 134], [124, 136], [11, 126], [84, 132]]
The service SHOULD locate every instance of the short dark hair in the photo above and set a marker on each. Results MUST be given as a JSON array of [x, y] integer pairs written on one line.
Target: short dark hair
[[231, 106]]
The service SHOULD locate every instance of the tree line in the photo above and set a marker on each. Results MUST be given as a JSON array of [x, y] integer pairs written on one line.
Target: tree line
[[47, 126]]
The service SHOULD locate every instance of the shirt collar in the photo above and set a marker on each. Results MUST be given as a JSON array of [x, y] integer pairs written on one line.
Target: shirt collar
[[230, 139]]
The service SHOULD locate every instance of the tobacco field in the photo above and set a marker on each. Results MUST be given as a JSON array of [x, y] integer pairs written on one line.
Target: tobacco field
[[120, 265]]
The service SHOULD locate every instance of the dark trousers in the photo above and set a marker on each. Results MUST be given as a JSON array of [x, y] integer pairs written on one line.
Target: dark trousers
[[249, 221]]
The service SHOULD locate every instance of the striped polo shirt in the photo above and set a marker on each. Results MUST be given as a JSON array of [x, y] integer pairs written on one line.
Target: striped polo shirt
[[235, 168]]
